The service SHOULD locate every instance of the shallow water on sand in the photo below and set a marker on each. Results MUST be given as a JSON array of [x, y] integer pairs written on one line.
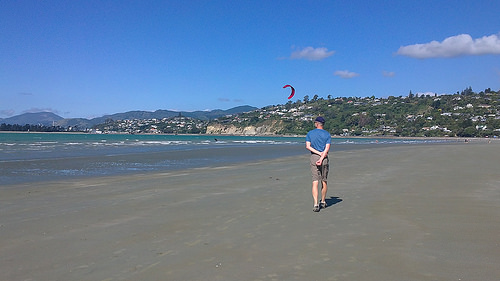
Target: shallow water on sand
[[31, 157]]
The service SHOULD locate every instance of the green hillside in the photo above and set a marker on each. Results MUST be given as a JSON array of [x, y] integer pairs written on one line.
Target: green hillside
[[464, 114]]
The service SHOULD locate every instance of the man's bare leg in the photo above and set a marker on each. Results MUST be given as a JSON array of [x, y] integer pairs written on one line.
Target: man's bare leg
[[315, 192], [324, 189]]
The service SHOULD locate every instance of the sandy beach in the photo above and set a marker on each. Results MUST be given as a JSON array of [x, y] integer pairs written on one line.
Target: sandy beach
[[405, 212]]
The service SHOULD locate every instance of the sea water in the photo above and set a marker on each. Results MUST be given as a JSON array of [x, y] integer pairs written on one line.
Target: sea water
[[32, 157]]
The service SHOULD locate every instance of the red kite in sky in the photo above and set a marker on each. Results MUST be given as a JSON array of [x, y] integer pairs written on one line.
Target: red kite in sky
[[293, 91]]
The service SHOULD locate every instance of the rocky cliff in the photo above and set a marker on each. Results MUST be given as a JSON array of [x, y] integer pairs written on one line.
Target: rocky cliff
[[230, 129]]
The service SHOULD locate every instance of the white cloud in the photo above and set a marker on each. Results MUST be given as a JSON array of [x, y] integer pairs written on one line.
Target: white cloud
[[36, 110], [310, 53], [7, 112], [388, 73], [229, 100], [460, 45], [345, 74]]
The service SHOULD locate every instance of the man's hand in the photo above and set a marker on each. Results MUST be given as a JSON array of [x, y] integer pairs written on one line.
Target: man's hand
[[320, 161]]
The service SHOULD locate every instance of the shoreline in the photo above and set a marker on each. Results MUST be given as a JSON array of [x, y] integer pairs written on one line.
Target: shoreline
[[83, 166], [282, 136]]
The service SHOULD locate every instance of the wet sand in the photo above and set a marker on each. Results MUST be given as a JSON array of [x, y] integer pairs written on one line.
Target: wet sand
[[408, 212]]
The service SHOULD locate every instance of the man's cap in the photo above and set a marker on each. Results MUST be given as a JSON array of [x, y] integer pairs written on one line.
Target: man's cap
[[320, 119]]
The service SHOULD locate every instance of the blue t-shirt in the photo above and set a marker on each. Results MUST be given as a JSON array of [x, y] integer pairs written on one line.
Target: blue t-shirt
[[319, 139]]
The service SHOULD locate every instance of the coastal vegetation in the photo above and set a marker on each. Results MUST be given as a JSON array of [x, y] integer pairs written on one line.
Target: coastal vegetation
[[463, 114], [31, 128]]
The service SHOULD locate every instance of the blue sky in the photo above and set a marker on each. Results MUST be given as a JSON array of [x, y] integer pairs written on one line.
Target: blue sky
[[91, 58]]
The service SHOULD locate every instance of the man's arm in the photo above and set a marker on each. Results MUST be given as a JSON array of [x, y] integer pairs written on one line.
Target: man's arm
[[323, 154], [312, 149]]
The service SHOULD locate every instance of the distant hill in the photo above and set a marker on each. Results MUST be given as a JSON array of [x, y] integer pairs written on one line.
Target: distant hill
[[159, 114], [81, 123], [49, 118], [39, 118]]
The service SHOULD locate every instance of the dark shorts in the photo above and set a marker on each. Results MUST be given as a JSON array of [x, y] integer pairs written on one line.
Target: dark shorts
[[319, 173]]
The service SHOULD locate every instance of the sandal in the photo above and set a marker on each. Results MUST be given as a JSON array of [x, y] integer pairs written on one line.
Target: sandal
[[316, 208], [323, 205]]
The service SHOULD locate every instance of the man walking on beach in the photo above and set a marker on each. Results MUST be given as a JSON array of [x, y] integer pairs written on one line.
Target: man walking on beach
[[318, 141]]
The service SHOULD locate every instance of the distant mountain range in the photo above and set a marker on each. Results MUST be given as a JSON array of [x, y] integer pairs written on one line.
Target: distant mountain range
[[42, 118], [49, 118]]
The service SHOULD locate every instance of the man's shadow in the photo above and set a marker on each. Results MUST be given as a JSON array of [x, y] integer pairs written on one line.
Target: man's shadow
[[333, 201]]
